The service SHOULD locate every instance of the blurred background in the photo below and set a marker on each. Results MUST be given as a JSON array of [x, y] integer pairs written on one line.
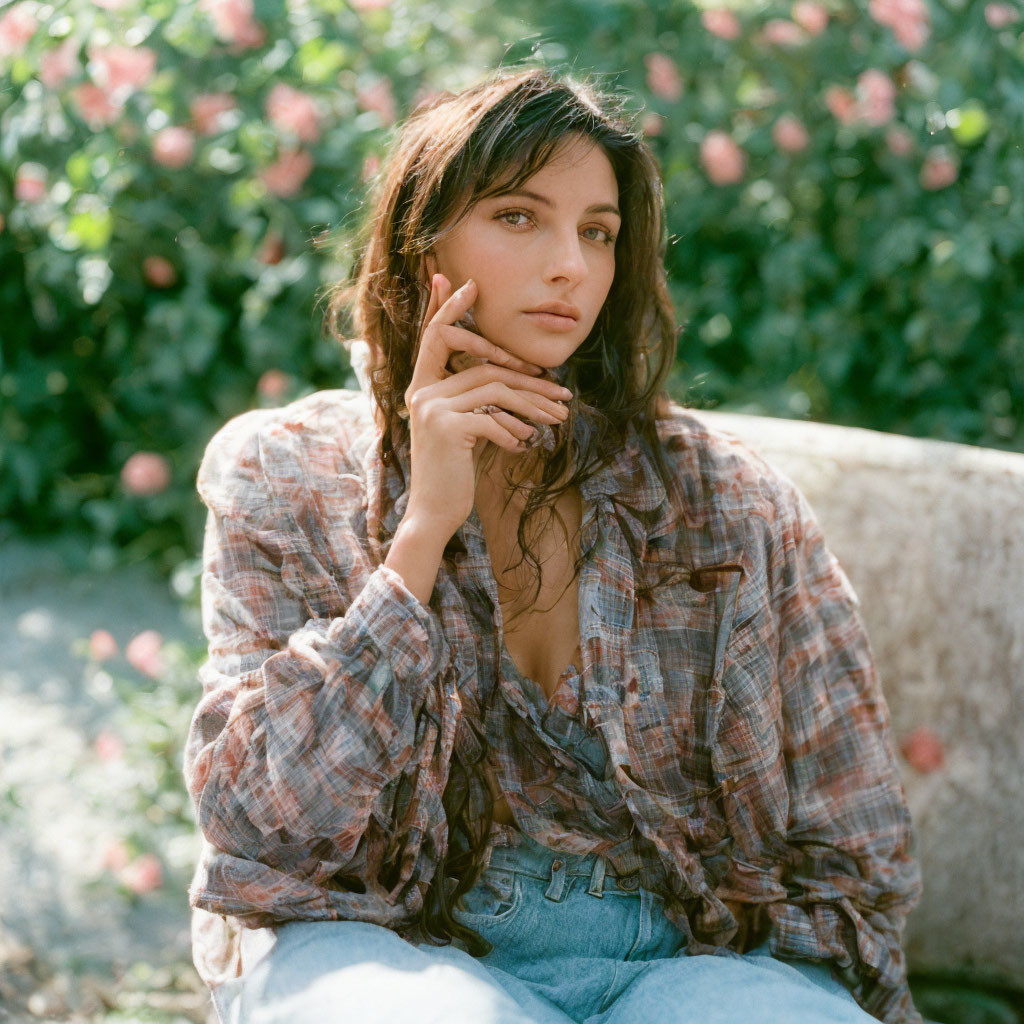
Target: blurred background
[[179, 186]]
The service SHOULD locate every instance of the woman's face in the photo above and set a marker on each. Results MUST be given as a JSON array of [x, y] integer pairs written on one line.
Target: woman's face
[[549, 243]]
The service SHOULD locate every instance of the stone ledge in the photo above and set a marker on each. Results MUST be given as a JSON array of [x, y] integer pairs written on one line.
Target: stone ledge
[[931, 534]]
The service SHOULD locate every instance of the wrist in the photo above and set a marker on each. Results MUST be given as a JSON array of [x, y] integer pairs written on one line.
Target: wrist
[[416, 553], [428, 525], [427, 531]]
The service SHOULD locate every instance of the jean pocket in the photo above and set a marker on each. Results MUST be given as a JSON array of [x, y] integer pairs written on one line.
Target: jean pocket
[[495, 899]]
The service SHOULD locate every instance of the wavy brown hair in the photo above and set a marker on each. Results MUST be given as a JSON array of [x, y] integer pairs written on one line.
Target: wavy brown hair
[[451, 152]]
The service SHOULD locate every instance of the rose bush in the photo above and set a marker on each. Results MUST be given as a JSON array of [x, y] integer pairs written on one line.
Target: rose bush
[[178, 183]]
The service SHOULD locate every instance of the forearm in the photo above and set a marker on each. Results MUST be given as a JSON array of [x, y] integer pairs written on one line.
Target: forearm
[[416, 553]]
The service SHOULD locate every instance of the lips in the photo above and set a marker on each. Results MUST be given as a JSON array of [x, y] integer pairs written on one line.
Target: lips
[[551, 321], [558, 309]]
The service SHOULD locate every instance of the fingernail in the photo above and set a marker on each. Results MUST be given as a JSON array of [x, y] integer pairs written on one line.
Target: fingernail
[[567, 393]]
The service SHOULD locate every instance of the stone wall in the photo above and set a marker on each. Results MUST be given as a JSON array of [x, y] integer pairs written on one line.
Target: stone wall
[[931, 535]]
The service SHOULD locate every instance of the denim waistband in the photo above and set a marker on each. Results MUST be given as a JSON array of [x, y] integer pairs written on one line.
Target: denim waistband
[[528, 857]]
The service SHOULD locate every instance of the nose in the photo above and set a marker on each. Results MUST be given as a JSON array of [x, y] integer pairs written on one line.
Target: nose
[[566, 262]]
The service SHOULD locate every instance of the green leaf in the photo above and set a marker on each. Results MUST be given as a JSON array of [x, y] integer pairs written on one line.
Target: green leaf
[[91, 228], [968, 124], [320, 60]]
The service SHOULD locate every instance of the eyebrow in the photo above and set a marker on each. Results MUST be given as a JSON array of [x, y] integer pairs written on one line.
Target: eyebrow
[[538, 198]]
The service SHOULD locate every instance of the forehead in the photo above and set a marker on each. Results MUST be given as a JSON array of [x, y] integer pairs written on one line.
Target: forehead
[[577, 167]]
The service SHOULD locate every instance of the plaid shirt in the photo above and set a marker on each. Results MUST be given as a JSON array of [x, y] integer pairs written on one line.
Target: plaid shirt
[[725, 676]]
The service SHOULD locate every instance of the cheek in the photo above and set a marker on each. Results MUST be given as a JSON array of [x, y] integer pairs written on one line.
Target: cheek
[[603, 277]]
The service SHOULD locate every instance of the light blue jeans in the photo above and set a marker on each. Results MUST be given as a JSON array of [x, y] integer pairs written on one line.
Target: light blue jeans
[[572, 945]]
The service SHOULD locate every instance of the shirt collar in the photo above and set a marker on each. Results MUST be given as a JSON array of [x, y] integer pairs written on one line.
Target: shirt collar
[[628, 487]]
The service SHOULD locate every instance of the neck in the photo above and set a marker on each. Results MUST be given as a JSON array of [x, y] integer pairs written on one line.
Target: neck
[[492, 487]]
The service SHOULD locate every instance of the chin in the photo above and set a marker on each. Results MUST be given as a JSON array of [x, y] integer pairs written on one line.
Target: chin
[[544, 352]]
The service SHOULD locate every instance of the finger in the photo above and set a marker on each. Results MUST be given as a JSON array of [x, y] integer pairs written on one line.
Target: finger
[[433, 304], [534, 407], [509, 433], [522, 431], [440, 289], [467, 352], [458, 339], [478, 376], [431, 356], [457, 303]]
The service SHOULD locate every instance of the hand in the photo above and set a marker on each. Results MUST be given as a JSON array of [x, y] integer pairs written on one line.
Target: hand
[[447, 435]]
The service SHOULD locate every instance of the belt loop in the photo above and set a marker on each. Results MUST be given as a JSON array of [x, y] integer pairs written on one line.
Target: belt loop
[[596, 887], [556, 889]]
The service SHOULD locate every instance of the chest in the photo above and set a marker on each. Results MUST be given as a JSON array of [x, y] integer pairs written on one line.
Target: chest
[[540, 624]]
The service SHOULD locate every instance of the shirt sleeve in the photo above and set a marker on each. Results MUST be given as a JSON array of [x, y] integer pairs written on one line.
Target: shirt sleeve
[[848, 872], [308, 720]]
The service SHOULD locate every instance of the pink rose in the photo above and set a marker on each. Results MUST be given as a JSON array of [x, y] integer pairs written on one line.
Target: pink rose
[[173, 146], [143, 875], [780, 32], [899, 141], [1001, 15], [17, 27], [102, 645], [876, 93], [57, 66], [120, 70], [663, 77], [841, 103], [159, 272], [652, 124], [233, 22], [146, 473], [294, 111], [370, 5], [722, 159], [923, 750], [274, 384], [143, 653], [908, 19], [272, 249], [371, 165], [810, 16], [115, 855], [937, 171], [30, 183], [721, 22], [108, 746], [380, 99], [790, 135], [286, 176], [208, 111], [95, 106]]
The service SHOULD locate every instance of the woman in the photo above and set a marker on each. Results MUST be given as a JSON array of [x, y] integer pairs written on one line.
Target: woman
[[529, 697]]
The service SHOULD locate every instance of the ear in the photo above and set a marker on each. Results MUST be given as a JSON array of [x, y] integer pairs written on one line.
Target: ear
[[428, 267]]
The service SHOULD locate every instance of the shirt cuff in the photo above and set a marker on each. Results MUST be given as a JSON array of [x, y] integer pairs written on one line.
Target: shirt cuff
[[407, 634]]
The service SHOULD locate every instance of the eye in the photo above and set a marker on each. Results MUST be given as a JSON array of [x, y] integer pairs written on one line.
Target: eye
[[608, 238], [506, 214]]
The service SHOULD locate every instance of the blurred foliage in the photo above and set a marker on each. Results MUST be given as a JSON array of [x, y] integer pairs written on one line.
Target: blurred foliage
[[160, 282]]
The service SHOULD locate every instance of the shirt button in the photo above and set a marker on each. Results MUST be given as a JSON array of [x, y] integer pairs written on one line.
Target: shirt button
[[629, 882], [557, 865]]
